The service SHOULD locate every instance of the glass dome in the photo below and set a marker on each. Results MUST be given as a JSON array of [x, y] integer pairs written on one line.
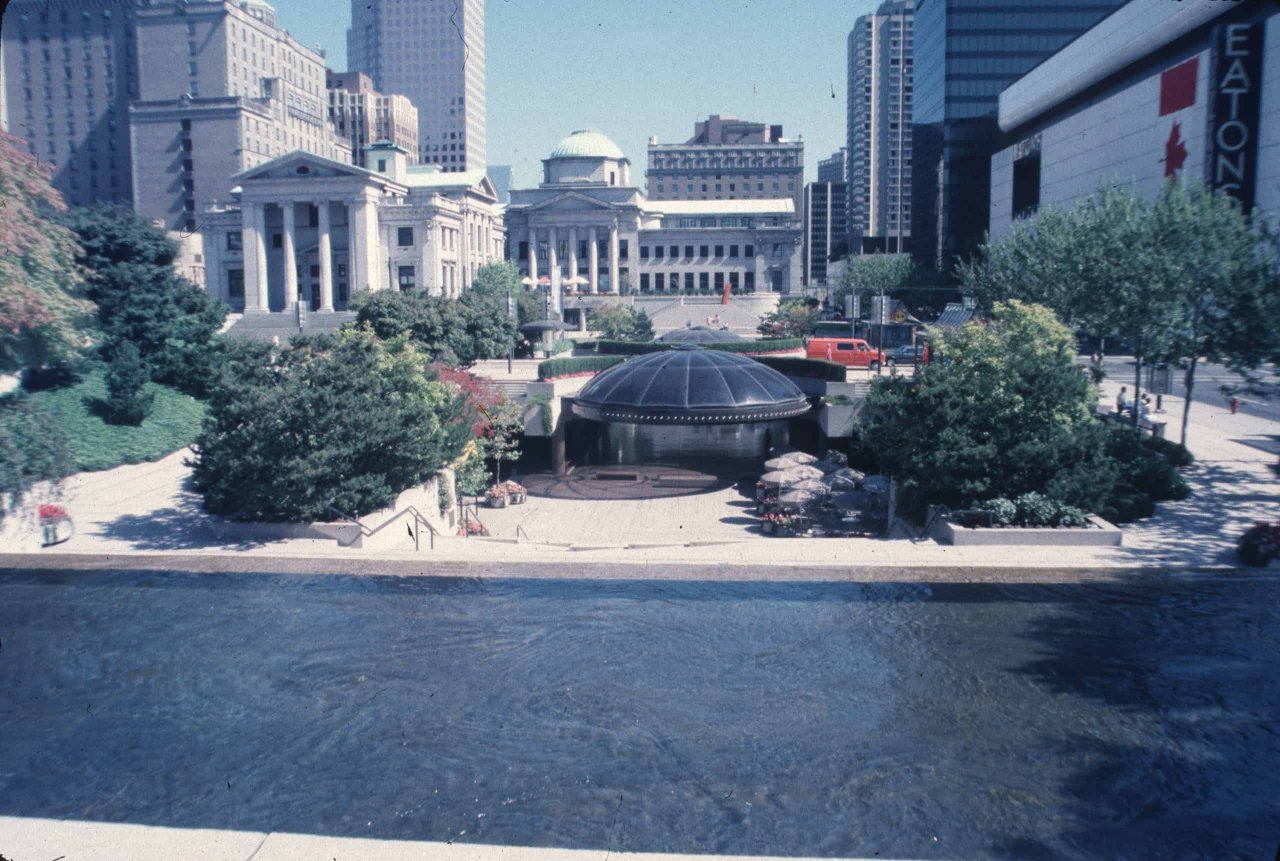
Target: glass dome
[[698, 335], [690, 385]]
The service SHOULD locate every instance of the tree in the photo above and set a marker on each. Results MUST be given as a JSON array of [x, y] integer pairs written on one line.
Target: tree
[[128, 400], [44, 318], [453, 331], [504, 425], [341, 422], [794, 318], [1001, 411], [499, 279], [1182, 277], [1095, 265], [618, 322], [141, 299], [871, 274], [32, 448]]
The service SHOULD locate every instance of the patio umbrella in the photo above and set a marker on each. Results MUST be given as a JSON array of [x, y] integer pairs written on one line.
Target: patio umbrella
[[810, 485], [799, 497], [790, 459], [796, 474], [843, 478], [527, 281]]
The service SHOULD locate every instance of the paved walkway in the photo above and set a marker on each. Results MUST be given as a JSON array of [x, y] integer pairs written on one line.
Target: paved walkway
[[150, 508], [30, 839]]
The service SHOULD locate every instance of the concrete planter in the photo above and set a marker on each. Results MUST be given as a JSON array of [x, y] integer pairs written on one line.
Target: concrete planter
[[1099, 533], [837, 420]]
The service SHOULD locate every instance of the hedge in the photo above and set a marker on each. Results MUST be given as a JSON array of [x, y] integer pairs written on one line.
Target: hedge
[[566, 367], [637, 348], [832, 372]]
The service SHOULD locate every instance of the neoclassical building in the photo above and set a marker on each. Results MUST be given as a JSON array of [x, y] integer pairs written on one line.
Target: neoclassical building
[[586, 220], [303, 233]]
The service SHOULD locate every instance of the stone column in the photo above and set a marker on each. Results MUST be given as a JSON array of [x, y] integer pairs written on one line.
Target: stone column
[[593, 260], [553, 266], [573, 255], [437, 236], [614, 279], [325, 251], [252, 219], [290, 257], [533, 255], [362, 256], [466, 250]]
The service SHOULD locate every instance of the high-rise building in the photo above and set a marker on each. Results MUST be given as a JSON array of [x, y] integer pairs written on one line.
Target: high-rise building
[[361, 115], [728, 159], [432, 52], [221, 88], [833, 167], [825, 228], [965, 54], [70, 71], [879, 129]]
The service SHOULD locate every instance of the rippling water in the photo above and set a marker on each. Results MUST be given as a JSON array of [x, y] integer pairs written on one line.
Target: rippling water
[[1071, 721]]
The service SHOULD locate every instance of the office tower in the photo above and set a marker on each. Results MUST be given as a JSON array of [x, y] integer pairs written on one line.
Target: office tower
[[965, 55], [825, 228], [728, 159], [361, 115], [431, 51], [833, 167], [70, 71], [879, 129]]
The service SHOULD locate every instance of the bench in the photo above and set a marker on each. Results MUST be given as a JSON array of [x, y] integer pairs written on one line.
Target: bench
[[1155, 427]]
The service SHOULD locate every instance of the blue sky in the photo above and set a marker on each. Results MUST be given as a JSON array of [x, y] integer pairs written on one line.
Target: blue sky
[[635, 68]]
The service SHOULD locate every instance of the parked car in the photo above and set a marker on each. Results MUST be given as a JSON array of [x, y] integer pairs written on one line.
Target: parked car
[[904, 354], [854, 352]]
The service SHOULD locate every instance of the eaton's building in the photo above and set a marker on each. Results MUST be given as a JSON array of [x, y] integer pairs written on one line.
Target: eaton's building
[[1153, 92], [586, 221]]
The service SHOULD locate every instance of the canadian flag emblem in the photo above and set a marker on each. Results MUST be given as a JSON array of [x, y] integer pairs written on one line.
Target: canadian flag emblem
[[1177, 92]]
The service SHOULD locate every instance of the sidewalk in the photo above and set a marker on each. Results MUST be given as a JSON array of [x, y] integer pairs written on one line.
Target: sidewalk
[[24, 839], [151, 509]]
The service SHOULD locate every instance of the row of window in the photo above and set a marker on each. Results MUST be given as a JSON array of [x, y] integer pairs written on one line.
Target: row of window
[[660, 187], [705, 252], [694, 281]]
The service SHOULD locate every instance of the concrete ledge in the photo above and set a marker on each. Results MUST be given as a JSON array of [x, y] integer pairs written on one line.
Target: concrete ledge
[[346, 534], [1099, 533]]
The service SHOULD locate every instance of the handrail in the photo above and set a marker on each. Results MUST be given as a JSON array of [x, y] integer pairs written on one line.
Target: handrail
[[939, 511], [520, 531], [467, 515], [418, 517]]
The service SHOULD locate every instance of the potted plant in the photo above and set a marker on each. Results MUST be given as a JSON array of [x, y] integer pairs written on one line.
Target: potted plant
[[497, 496], [516, 492], [55, 524]]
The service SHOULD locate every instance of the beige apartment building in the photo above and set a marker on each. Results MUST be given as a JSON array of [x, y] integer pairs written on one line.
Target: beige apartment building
[[361, 115], [728, 159], [221, 89]]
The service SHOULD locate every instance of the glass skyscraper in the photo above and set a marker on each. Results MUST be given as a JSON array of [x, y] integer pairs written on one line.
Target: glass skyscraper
[[965, 53]]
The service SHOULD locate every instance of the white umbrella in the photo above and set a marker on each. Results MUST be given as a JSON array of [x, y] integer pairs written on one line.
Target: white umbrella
[[527, 281], [810, 485], [799, 497], [794, 458], [791, 475]]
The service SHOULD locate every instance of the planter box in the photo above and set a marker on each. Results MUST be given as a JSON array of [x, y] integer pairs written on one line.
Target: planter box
[[1099, 533], [837, 420]]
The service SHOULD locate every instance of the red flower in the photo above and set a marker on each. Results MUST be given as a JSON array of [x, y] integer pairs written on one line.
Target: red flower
[[49, 511]]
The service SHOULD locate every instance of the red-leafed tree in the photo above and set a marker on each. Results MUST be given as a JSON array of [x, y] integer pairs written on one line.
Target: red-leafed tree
[[43, 315]]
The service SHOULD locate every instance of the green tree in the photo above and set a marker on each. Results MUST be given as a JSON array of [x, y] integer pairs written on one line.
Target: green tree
[[504, 425], [502, 278], [1001, 411], [794, 318], [618, 322], [141, 299], [32, 448], [869, 274], [128, 399], [44, 318], [1179, 278], [453, 331], [345, 421]]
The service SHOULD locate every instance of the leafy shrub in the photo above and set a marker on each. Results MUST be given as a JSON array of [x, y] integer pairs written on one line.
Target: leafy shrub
[[618, 322], [1069, 515], [577, 365], [1176, 453], [128, 400], [761, 345], [345, 421], [55, 376], [473, 476], [1036, 509], [1003, 511], [33, 447], [451, 331], [821, 369], [1259, 544]]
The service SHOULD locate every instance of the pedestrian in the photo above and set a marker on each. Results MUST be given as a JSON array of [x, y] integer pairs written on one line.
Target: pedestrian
[[1144, 407], [1122, 401]]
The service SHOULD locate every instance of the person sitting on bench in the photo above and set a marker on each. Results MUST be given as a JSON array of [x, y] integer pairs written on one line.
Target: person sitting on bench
[[1122, 401]]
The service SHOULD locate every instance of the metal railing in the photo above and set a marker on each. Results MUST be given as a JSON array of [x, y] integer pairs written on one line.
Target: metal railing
[[470, 512], [419, 520]]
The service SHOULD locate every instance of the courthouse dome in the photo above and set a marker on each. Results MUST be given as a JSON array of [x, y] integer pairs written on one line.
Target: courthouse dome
[[587, 143], [690, 385]]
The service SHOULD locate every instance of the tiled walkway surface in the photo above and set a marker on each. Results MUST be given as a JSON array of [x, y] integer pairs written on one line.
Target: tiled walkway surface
[[150, 508]]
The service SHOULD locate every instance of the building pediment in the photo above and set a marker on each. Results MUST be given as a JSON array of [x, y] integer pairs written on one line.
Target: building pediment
[[302, 166], [572, 201]]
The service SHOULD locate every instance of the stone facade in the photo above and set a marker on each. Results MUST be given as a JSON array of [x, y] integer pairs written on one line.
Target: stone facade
[[361, 115], [586, 221], [306, 232]]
